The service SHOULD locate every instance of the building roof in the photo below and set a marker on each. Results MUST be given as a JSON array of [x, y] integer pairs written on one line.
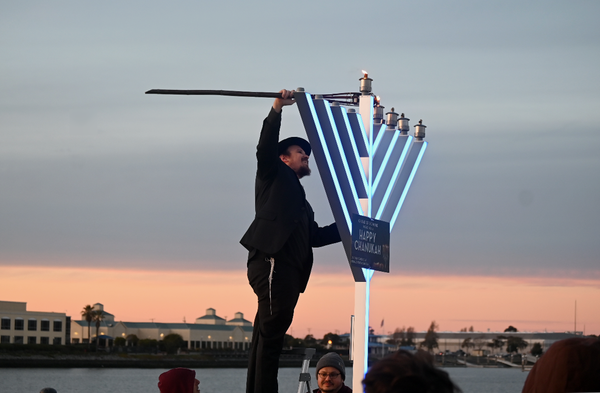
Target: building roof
[[181, 325], [210, 318], [239, 322], [104, 323], [524, 335]]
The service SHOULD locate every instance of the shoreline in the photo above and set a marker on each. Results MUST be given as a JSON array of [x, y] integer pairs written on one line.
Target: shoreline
[[110, 360], [132, 361]]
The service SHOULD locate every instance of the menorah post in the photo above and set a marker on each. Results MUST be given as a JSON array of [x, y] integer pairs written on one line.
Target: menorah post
[[367, 166], [360, 334]]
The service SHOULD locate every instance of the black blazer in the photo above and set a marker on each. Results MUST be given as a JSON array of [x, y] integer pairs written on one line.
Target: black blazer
[[280, 200]]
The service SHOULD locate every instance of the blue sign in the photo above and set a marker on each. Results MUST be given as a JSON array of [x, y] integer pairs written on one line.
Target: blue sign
[[370, 243]]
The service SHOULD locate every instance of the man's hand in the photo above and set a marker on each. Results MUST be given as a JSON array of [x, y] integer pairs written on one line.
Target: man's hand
[[286, 100]]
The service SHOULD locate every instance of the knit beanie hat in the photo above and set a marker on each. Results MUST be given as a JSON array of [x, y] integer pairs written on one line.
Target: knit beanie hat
[[332, 359], [177, 380]]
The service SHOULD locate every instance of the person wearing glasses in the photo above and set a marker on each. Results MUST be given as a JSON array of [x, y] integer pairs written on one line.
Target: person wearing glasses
[[331, 374]]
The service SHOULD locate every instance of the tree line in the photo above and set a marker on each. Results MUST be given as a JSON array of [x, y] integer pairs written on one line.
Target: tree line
[[405, 337], [309, 341]]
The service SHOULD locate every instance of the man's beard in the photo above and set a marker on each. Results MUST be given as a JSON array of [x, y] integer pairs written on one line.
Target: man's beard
[[303, 171]]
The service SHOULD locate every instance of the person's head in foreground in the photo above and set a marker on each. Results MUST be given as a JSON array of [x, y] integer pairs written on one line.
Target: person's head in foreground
[[48, 390], [571, 365], [178, 380], [331, 373], [404, 372]]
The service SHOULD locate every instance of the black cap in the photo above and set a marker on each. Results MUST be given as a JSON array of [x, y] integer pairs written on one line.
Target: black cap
[[294, 140]]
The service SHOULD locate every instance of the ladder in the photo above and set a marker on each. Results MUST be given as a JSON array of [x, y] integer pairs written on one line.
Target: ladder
[[304, 380]]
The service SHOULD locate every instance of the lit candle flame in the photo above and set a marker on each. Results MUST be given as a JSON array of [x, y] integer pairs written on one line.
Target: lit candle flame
[[366, 74], [377, 100]]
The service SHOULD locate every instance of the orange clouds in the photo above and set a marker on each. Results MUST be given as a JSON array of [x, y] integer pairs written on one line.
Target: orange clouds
[[453, 302]]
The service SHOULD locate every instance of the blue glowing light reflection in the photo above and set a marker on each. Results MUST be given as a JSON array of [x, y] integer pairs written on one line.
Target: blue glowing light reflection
[[386, 158], [363, 176], [368, 273], [343, 156], [325, 150], [390, 187], [408, 183]]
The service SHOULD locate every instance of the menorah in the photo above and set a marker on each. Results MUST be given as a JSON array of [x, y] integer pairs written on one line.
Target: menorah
[[367, 166]]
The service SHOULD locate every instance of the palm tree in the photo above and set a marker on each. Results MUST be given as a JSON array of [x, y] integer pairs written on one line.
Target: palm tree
[[88, 314], [98, 317]]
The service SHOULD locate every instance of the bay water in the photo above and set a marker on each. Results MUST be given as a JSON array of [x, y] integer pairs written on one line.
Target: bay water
[[219, 380]]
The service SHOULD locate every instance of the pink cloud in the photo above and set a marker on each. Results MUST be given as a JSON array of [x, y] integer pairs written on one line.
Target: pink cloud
[[454, 302]]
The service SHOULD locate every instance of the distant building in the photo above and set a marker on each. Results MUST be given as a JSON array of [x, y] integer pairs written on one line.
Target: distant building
[[476, 342], [19, 326], [208, 332]]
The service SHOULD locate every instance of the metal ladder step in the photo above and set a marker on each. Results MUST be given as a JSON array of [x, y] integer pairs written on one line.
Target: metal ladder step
[[304, 379]]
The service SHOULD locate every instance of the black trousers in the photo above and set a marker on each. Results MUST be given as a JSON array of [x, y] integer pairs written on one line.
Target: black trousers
[[276, 303]]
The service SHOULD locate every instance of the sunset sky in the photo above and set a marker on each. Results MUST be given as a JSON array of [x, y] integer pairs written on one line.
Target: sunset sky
[[138, 202]]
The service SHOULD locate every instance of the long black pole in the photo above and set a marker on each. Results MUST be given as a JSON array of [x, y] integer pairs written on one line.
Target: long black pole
[[342, 98], [216, 93]]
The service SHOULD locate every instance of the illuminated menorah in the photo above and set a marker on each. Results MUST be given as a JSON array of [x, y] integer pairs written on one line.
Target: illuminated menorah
[[367, 166]]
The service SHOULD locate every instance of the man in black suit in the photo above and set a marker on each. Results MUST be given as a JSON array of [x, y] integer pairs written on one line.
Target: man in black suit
[[279, 243]]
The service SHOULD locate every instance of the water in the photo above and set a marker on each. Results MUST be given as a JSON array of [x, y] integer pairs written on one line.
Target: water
[[101, 380], [488, 380]]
